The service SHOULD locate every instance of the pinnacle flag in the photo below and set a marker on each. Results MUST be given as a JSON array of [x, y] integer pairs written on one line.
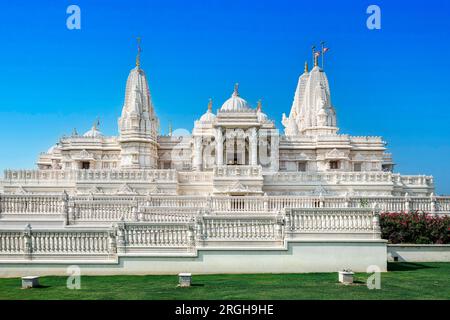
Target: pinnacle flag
[[325, 50]]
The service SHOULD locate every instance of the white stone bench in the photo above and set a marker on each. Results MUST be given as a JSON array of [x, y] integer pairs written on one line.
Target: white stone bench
[[184, 279], [346, 277], [30, 282]]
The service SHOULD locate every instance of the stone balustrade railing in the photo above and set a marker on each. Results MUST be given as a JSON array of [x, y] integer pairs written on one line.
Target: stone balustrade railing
[[130, 208], [164, 214], [176, 201], [98, 241], [39, 242], [350, 178], [237, 171], [75, 242], [101, 210], [418, 180], [332, 220], [155, 235], [61, 177], [442, 204], [31, 203], [55, 176], [240, 228], [330, 177], [237, 204], [206, 230], [189, 177], [12, 242]]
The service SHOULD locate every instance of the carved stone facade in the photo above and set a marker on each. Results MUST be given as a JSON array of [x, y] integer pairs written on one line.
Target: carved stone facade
[[235, 185], [237, 139]]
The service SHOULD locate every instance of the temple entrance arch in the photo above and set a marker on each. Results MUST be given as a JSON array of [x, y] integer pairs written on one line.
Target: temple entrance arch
[[236, 147]]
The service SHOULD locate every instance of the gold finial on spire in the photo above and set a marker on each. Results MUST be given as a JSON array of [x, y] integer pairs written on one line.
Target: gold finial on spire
[[210, 105], [138, 56], [96, 123], [236, 89], [170, 128], [259, 105], [306, 67]]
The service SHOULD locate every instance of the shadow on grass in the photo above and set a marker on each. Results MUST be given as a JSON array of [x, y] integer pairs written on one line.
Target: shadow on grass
[[38, 287], [359, 282], [406, 266]]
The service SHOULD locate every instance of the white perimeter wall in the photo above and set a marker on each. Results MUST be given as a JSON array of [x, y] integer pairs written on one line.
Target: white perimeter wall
[[307, 256], [419, 252]]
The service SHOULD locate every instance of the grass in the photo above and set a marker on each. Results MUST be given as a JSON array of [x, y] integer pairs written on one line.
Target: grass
[[403, 281]]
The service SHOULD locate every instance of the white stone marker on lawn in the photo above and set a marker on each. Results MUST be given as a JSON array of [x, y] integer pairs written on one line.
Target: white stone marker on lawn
[[184, 279], [30, 282], [346, 276]]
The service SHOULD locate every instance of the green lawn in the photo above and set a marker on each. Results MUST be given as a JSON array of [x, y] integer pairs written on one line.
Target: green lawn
[[403, 281]]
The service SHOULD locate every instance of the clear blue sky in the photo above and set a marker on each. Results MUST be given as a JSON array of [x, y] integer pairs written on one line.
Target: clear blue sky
[[391, 82]]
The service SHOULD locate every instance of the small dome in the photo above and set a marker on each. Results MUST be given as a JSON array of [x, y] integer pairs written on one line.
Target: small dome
[[262, 117], [52, 149], [93, 133], [235, 103], [208, 117]]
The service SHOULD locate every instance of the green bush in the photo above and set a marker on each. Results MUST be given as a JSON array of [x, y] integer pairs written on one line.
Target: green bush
[[414, 227]]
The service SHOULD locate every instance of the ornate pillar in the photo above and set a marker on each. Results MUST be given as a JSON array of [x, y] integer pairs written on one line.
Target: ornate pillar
[[219, 147], [198, 153], [274, 150], [253, 140]]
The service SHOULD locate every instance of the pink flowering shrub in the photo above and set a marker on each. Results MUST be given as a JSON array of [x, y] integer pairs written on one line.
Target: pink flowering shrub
[[414, 227]]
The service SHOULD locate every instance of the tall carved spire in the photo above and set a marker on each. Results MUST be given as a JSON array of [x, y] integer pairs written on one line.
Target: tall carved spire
[[138, 123]]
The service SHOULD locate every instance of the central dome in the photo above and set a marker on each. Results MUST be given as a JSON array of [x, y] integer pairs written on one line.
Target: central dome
[[235, 103]]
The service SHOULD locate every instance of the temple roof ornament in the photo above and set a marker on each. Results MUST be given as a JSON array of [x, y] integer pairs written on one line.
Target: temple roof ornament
[[236, 89], [208, 116], [235, 103], [138, 56], [210, 105], [93, 132]]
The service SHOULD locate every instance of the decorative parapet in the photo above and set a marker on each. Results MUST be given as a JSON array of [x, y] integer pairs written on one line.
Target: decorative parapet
[[205, 230], [237, 171], [195, 177], [49, 243], [330, 177], [418, 180], [72, 208], [352, 222], [55, 176]]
